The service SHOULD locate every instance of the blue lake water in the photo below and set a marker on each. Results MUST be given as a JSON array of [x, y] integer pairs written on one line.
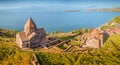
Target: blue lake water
[[51, 21]]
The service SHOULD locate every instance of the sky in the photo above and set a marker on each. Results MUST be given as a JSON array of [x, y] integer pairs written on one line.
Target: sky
[[58, 4], [16, 12]]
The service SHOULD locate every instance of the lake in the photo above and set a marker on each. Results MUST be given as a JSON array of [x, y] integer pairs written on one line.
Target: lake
[[56, 20]]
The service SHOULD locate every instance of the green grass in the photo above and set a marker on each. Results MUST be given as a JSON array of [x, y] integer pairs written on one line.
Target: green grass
[[91, 58], [116, 40], [109, 26], [9, 51], [76, 43], [66, 37], [11, 55], [62, 47], [8, 33], [107, 55]]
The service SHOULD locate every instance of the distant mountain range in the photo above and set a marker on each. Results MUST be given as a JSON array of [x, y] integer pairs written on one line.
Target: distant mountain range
[[72, 10], [96, 10], [106, 10]]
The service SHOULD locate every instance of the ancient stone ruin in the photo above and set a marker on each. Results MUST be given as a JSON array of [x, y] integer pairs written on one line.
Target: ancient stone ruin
[[112, 31], [93, 39], [31, 36]]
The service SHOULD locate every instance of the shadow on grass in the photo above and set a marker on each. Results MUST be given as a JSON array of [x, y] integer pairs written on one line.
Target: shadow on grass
[[67, 38], [105, 37]]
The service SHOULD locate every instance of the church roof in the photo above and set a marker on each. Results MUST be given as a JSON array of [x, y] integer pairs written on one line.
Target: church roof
[[40, 31], [23, 36], [31, 35], [30, 23]]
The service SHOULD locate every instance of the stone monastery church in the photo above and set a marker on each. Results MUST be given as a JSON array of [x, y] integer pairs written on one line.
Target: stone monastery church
[[31, 36]]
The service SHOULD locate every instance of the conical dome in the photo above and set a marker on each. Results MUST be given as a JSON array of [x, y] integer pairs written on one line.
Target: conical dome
[[30, 26], [30, 23]]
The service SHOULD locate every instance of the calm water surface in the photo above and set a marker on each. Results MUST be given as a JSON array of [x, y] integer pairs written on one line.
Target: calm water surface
[[51, 21]]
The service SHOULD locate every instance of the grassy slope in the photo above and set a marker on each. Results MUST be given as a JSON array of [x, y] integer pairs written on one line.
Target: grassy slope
[[9, 52], [108, 55], [112, 23]]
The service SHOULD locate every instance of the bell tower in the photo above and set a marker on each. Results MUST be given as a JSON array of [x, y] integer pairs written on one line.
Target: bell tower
[[29, 27]]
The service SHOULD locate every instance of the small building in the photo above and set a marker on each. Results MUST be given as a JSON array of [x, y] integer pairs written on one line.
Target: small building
[[93, 39], [31, 36]]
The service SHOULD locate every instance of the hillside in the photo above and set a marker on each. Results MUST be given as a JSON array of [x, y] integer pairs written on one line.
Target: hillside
[[115, 22], [10, 54], [109, 54]]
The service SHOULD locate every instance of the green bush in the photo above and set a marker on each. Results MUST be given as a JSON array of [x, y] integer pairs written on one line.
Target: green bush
[[82, 30], [8, 33]]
